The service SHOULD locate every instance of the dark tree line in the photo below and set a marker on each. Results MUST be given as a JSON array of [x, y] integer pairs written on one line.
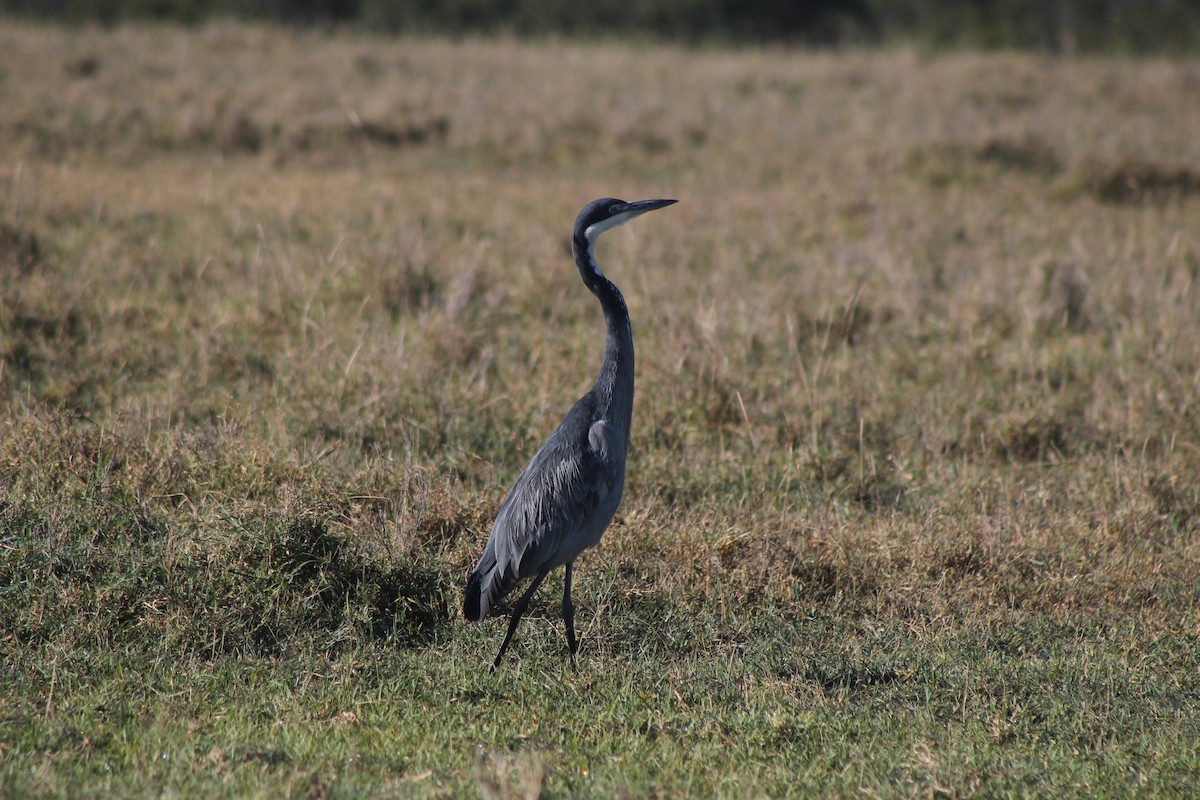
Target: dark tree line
[[1089, 25]]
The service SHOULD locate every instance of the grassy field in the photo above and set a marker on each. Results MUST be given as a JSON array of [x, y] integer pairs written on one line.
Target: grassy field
[[914, 494]]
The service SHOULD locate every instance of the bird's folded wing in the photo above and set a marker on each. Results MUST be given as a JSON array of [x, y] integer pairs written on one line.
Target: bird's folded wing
[[549, 516]]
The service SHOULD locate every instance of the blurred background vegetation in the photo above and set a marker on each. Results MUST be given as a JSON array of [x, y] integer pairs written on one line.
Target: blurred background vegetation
[[1135, 26]]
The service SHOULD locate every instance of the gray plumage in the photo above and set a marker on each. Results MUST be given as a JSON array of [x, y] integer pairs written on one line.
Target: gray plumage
[[567, 495]]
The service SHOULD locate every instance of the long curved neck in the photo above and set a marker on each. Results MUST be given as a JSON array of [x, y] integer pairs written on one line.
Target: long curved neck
[[614, 386]]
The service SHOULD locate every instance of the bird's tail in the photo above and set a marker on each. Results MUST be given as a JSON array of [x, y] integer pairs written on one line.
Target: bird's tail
[[485, 588], [471, 603]]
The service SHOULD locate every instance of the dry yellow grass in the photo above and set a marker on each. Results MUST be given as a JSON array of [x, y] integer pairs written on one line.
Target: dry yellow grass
[[919, 349]]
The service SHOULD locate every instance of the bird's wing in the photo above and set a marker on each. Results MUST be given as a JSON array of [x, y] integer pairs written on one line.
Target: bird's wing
[[563, 499]]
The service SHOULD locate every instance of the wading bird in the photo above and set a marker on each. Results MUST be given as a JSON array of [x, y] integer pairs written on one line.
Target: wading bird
[[566, 496]]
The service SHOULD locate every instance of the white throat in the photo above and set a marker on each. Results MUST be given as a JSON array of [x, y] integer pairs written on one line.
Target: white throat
[[592, 232], [591, 253]]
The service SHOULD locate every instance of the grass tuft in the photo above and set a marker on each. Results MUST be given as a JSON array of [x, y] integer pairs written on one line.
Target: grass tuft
[[1137, 181]]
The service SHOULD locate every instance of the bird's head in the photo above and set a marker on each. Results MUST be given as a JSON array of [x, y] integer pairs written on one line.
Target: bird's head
[[608, 212]]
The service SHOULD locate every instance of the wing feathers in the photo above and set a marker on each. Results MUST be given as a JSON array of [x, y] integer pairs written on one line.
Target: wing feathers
[[559, 506]]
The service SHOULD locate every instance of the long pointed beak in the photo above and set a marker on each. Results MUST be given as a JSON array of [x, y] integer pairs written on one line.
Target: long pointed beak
[[639, 207]]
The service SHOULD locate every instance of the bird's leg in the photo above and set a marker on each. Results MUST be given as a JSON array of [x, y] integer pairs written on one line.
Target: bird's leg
[[515, 616], [568, 611]]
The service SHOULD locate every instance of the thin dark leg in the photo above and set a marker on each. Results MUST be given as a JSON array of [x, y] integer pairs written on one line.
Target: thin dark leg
[[568, 609], [515, 616]]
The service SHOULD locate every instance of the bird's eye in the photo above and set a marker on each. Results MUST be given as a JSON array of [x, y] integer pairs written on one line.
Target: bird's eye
[[613, 209]]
